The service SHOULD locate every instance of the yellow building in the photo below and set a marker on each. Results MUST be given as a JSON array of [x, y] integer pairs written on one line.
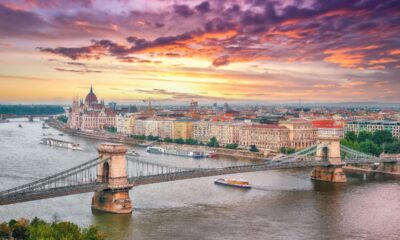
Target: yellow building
[[182, 129]]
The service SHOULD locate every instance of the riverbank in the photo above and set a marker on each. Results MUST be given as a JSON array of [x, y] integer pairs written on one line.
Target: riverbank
[[368, 169], [117, 138]]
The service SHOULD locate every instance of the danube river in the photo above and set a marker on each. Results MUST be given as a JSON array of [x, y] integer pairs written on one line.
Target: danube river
[[285, 204]]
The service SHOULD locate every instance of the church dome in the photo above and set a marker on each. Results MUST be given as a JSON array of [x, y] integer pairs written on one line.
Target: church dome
[[91, 98]]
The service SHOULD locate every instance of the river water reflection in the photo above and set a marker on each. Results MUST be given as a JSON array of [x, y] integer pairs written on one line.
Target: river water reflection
[[286, 204]]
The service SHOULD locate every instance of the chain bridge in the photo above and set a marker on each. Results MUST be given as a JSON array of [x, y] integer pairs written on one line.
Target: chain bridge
[[111, 175]]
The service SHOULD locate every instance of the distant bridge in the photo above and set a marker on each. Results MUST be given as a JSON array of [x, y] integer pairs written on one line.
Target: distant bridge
[[111, 173]]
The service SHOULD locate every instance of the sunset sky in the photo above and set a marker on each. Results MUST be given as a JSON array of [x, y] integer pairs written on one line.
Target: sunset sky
[[176, 50]]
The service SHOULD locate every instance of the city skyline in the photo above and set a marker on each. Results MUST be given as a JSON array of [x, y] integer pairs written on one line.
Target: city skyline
[[175, 51]]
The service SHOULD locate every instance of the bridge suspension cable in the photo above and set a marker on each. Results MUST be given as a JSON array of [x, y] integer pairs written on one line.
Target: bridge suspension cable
[[81, 178], [353, 156]]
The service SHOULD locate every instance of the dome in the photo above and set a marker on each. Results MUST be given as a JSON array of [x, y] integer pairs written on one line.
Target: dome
[[91, 97]]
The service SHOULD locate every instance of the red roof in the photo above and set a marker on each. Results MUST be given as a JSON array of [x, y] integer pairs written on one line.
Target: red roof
[[327, 123]]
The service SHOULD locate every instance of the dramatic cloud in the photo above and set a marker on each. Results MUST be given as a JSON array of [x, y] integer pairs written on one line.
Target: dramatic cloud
[[175, 95], [296, 40], [339, 32], [77, 70]]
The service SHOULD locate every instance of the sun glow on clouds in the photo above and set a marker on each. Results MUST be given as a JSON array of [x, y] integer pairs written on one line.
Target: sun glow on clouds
[[176, 50]]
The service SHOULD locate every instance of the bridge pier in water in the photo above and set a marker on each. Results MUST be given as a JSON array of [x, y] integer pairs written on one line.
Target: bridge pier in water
[[115, 197], [328, 152]]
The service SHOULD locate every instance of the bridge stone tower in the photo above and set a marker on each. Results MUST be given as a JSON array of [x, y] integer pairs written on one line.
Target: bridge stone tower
[[328, 152], [115, 198]]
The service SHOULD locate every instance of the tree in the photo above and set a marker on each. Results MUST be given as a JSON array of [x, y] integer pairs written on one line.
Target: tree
[[39, 229], [351, 136], [5, 231], [92, 233], [66, 230], [179, 141], [168, 140], [111, 129], [191, 141], [393, 147], [213, 142], [286, 150], [364, 136], [253, 148], [20, 229], [370, 147], [62, 119], [380, 137], [153, 138], [231, 146]]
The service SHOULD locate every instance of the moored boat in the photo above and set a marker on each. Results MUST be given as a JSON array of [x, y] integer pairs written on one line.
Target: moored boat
[[211, 155], [196, 154], [155, 150], [60, 143], [239, 183]]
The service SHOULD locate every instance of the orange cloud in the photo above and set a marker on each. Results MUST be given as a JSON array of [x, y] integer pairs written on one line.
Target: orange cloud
[[394, 52], [348, 57], [382, 61]]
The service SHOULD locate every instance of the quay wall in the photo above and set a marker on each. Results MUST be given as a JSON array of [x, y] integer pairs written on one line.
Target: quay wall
[[117, 138]]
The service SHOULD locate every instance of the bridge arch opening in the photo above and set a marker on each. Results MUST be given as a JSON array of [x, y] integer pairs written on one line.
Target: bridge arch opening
[[325, 151], [106, 172]]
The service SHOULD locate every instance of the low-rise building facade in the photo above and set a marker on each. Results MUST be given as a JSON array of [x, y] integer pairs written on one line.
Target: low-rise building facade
[[358, 126], [269, 137]]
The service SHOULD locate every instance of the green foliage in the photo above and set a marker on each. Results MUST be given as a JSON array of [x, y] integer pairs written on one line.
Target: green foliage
[[31, 109], [191, 141], [92, 233], [38, 229], [231, 146], [286, 150], [5, 231], [253, 148], [372, 143], [370, 147], [153, 138], [351, 136], [381, 137], [21, 229], [139, 137], [179, 141], [213, 142], [364, 136], [168, 140], [62, 119], [111, 129], [393, 147]]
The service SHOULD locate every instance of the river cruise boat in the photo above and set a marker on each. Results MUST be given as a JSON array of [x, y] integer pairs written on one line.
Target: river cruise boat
[[196, 154], [231, 182], [155, 150], [60, 143]]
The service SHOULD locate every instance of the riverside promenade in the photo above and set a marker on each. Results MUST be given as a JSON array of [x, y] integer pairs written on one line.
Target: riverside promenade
[[118, 138]]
